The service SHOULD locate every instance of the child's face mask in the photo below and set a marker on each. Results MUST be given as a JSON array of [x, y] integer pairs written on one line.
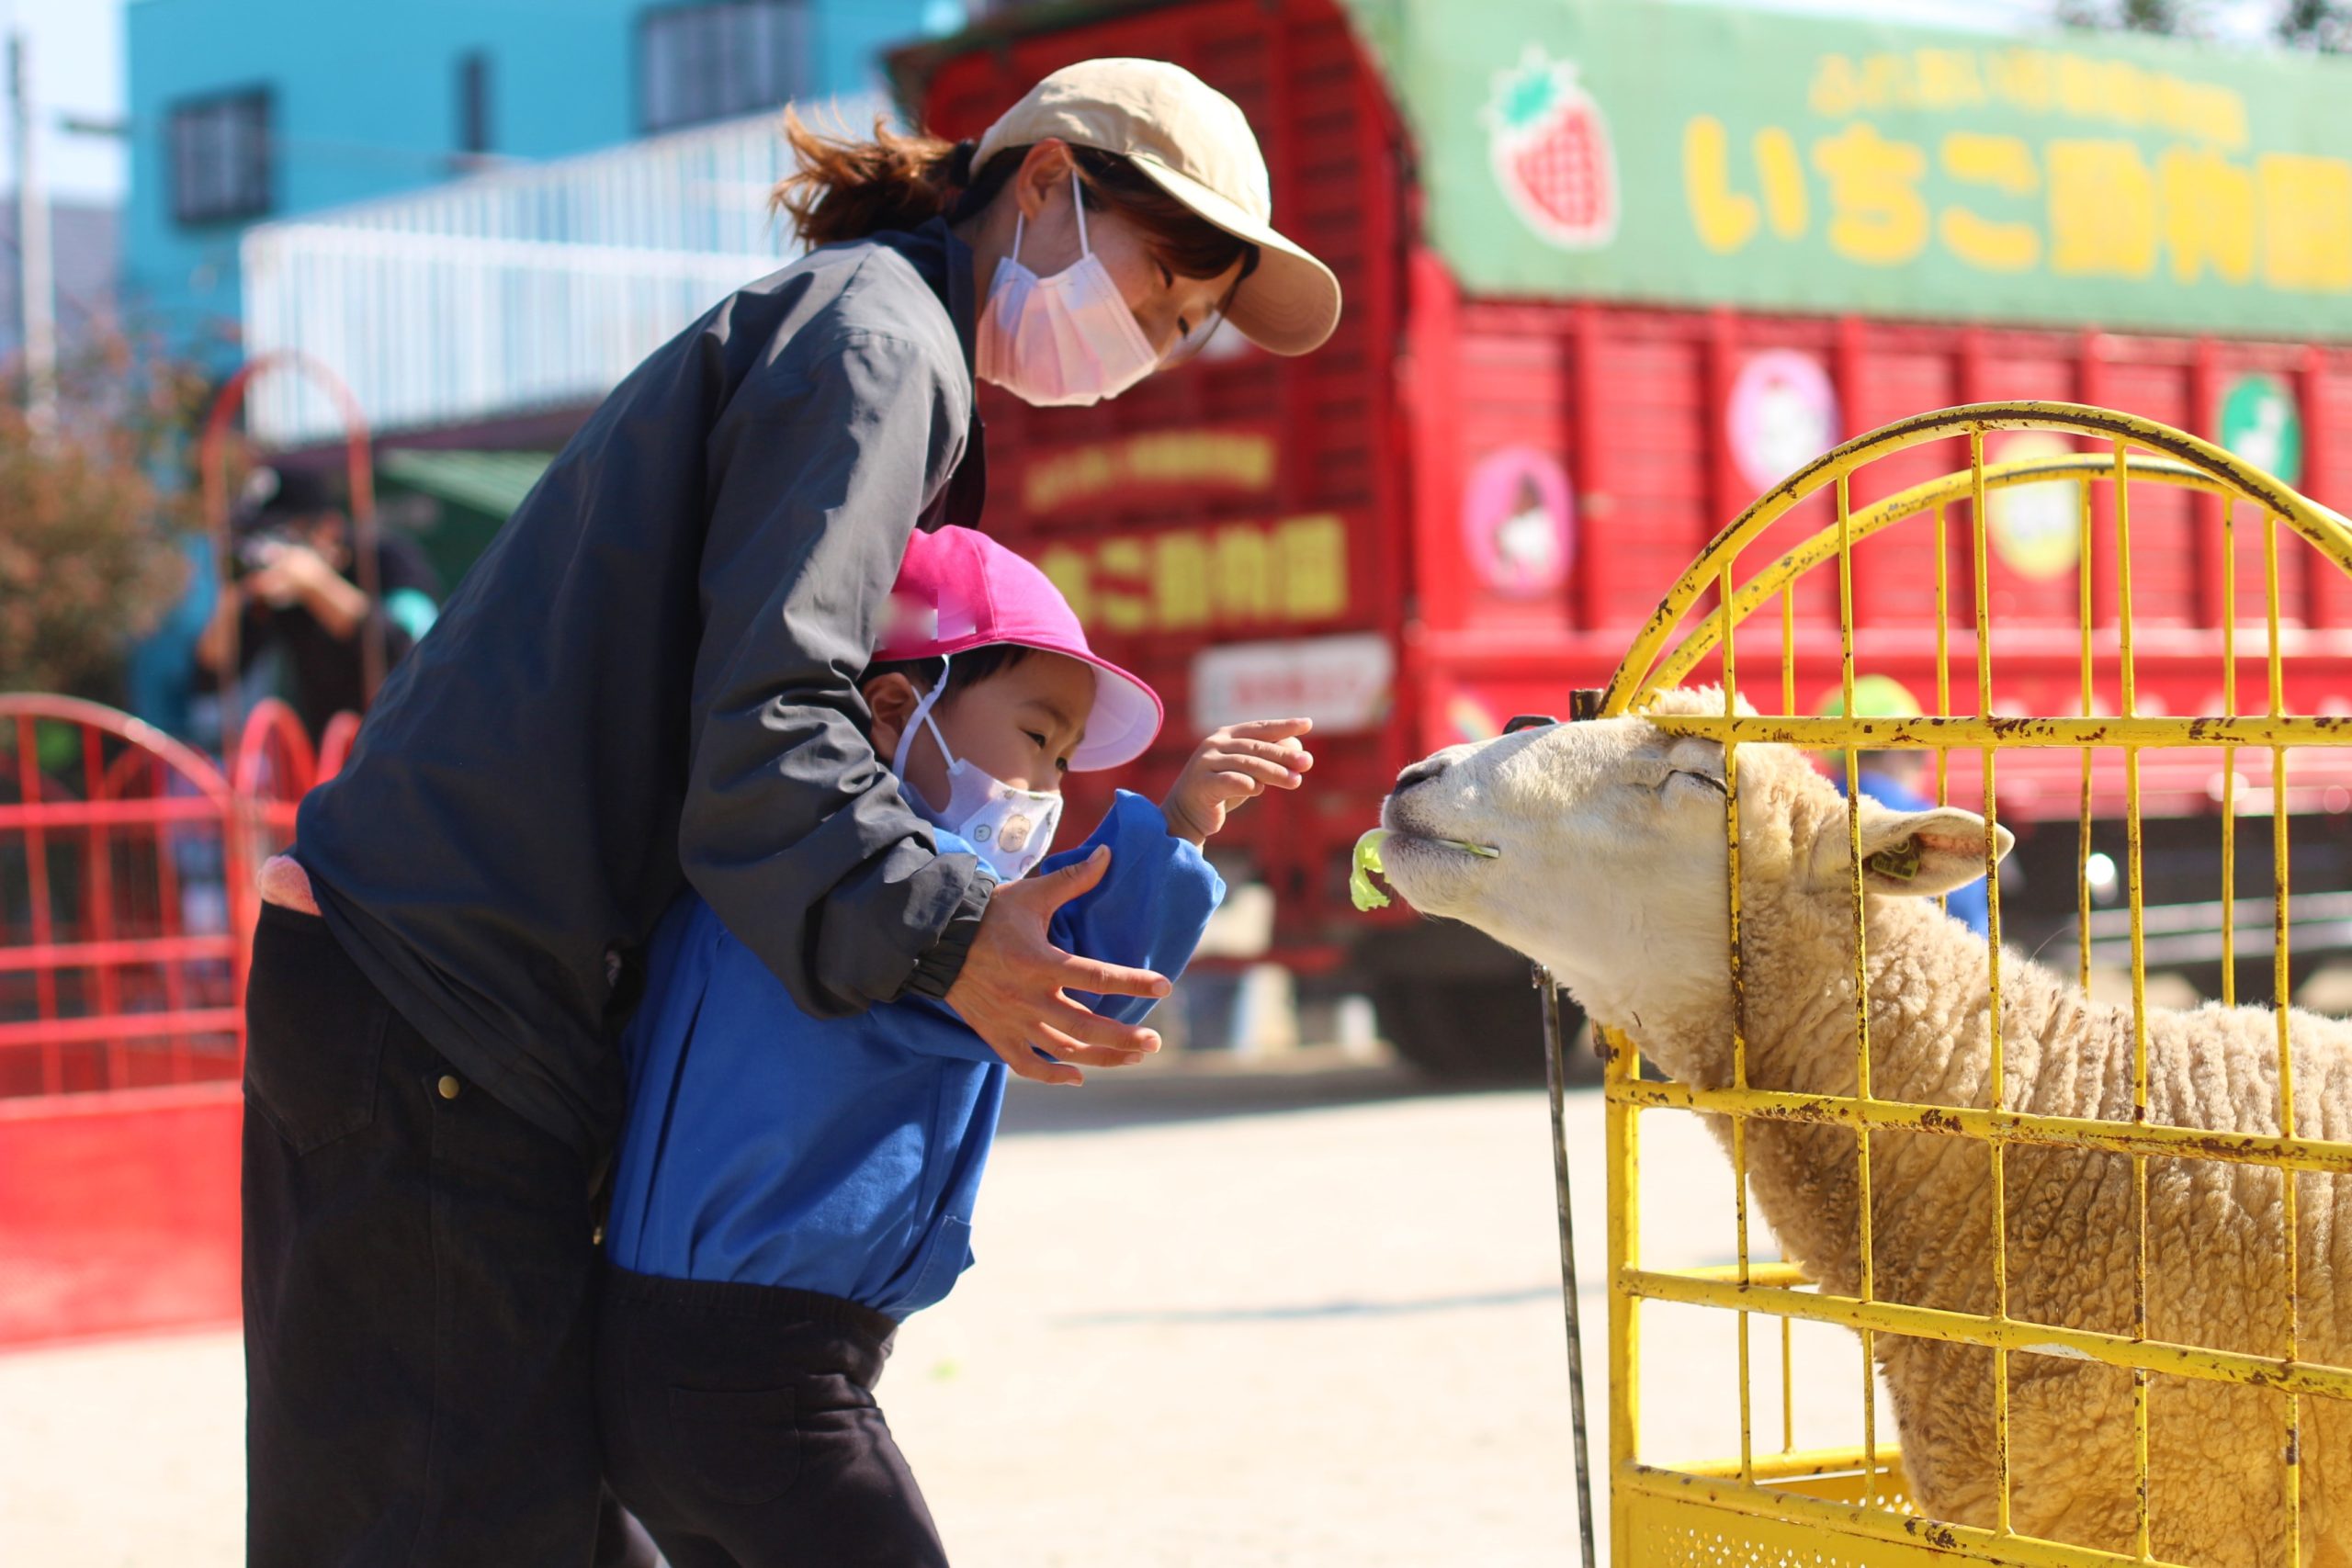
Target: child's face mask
[[1011, 828]]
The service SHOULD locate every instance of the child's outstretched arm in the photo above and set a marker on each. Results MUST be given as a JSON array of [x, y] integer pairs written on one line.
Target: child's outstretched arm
[[1158, 893], [1229, 767]]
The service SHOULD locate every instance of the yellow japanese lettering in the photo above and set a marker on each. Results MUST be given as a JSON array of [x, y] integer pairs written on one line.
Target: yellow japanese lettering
[[1836, 91], [1313, 555], [1241, 576], [1122, 600], [1886, 80], [1066, 569], [1781, 172], [2102, 209], [2026, 78], [2208, 215], [1948, 79], [1877, 216], [2003, 164], [1724, 218], [1179, 581], [2306, 222]]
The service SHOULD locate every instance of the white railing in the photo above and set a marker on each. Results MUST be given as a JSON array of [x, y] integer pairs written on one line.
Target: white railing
[[516, 290]]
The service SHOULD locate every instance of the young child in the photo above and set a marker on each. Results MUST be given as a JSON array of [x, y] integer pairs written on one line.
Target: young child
[[790, 1187]]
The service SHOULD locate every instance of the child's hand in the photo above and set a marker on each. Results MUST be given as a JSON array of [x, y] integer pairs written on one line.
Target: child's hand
[[1230, 766]]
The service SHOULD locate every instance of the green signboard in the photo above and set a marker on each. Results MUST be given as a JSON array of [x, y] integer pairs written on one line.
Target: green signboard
[[1689, 155]]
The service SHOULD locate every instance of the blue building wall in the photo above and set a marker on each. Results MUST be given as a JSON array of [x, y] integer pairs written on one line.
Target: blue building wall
[[366, 104]]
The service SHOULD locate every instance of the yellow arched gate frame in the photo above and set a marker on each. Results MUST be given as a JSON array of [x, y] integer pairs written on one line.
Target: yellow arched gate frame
[[1771, 1502]]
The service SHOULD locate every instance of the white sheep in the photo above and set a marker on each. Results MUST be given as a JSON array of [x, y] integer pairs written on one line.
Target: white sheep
[[1598, 848]]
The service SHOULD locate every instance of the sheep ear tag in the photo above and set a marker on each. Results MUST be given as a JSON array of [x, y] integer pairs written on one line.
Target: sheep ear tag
[[1897, 862]]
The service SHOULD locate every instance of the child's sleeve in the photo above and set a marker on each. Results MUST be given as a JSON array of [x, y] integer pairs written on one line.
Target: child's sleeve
[[1150, 907], [1147, 912]]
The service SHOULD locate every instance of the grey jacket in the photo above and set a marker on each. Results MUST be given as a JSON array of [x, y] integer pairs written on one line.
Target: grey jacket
[[648, 680]]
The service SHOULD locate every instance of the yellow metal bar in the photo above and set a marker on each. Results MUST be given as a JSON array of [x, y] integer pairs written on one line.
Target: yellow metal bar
[[1943, 653], [1836, 1520], [1788, 1390], [2016, 1126], [1930, 731], [1793, 1465], [2228, 753], [2327, 533], [1999, 1089], [1932, 496], [1788, 645], [1736, 953], [1861, 963], [1622, 1125], [2280, 975], [2083, 620], [1781, 1273], [2131, 838], [1770, 1271], [1965, 1328]]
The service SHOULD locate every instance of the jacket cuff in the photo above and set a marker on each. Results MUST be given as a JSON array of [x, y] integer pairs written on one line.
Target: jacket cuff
[[936, 970]]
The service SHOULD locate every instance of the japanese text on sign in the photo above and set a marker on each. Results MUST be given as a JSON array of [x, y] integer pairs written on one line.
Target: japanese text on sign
[[1200, 579]]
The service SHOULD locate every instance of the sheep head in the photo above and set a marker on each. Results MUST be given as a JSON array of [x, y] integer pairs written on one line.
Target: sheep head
[[1609, 863]]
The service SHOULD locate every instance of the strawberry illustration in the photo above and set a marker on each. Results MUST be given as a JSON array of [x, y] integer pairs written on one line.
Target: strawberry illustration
[[1550, 151]]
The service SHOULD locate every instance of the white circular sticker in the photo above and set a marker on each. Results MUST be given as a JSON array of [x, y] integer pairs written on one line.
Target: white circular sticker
[[1519, 521], [1783, 414], [2035, 529]]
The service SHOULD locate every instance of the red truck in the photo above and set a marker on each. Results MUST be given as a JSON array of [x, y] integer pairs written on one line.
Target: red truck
[[1610, 272]]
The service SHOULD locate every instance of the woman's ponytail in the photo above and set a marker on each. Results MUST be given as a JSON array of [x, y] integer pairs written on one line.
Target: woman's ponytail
[[847, 189]]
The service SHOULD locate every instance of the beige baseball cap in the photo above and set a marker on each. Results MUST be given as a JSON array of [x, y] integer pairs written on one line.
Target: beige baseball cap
[[1196, 145]]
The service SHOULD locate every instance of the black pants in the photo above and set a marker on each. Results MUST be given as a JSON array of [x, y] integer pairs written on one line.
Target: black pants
[[419, 1274], [739, 1425]]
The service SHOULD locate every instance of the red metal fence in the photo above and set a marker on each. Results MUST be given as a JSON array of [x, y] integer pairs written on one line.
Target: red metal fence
[[127, 908]]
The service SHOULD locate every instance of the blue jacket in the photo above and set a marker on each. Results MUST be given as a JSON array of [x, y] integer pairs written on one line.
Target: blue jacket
[[843, 1155], [1971, 905]]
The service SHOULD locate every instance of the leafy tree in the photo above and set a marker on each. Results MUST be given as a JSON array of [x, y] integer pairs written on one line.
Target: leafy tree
[[2180, 19], [2324, 24], [88, 528]]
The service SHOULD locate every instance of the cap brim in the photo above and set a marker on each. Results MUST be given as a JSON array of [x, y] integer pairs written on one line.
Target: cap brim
[[1125, 719], [1290, 302]]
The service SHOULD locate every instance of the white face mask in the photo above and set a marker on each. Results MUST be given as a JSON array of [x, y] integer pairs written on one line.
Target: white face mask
[[1065, 339], [1011, 828]]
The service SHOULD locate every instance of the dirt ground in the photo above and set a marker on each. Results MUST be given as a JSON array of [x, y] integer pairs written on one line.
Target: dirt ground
[[1231, 1318]]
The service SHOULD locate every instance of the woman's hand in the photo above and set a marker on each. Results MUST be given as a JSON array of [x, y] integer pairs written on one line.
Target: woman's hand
[[1231, 765], [1011, 988]]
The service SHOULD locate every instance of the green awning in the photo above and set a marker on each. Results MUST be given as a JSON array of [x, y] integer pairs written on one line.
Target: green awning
[[491, 482]]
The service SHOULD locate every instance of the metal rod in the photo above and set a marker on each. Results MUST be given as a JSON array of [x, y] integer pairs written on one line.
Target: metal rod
[[35, 291], [1555, 1072]]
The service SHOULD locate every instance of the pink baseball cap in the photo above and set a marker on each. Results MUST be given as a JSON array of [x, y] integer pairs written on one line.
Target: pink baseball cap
[[960, 590]]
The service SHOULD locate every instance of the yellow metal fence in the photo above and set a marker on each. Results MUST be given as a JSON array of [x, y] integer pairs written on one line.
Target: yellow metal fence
[[1772, 1502]]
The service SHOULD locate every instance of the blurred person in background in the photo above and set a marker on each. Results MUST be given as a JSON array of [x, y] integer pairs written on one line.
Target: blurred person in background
[[1900, 779], [294, 592], [649, 682]]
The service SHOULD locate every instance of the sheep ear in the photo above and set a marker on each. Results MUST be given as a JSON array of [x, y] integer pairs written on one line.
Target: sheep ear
[[1921, 854]]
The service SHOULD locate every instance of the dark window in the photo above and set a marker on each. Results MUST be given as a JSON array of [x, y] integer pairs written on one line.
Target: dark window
[[473, 103], [709, 61], [220, 157]]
